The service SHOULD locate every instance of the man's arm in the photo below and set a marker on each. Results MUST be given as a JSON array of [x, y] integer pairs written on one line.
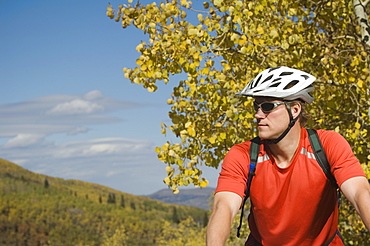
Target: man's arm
[[225, 207], [357, 191]]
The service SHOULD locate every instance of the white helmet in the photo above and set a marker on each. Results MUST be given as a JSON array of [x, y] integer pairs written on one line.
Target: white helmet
[[281, 82]]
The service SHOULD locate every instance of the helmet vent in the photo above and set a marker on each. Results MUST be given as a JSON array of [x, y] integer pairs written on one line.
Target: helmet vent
[[268, 78], [256, 82], [274, 68], [275, 85], [291, 84], [286, 73], [305, 76]]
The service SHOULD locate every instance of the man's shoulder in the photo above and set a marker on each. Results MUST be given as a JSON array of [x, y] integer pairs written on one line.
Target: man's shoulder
[[328, 134], [245, 147], [332, 141], [242, 146], [246, 144]]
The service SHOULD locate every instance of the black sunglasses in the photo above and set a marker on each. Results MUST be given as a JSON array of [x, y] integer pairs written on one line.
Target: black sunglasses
[[266, 107]]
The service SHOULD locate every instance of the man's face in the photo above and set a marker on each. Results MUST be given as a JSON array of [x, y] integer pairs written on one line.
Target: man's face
[[271, 124]]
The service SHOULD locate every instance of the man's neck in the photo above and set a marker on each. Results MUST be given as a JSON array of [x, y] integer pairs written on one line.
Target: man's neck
[[283, 152]]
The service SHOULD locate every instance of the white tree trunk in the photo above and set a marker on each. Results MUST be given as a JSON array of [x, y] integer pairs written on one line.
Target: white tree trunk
[[363, 20]]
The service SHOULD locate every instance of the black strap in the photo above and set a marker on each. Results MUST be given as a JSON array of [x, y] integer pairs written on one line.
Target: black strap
[[320, 155], [332, 238], [324, 164], [254, 150]]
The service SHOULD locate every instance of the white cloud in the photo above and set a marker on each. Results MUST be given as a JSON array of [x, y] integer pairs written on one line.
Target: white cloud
[[77, 106], [77, 130], [23, 140], [93, 95], [13, 130], [103, 147], [67, 114]]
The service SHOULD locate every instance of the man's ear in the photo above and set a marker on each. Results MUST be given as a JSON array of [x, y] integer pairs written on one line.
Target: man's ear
[[296, 109]]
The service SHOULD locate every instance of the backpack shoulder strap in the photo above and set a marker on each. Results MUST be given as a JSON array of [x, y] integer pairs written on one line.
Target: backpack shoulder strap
[[253, 154], [324, 164], [320, 155]]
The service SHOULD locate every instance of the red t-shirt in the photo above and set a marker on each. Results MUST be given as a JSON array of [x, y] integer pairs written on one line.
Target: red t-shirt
[[296, 205]]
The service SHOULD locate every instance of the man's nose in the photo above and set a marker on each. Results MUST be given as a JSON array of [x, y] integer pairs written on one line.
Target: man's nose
[[259, 114]]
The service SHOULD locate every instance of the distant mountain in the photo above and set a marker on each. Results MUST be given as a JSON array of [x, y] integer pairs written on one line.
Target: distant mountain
[[197, 197]]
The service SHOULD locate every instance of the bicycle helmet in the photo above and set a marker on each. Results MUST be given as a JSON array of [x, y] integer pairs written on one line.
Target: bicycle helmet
[[281, 82], [284, 83]]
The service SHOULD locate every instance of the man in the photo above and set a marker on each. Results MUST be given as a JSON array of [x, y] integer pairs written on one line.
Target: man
[[292, 201]]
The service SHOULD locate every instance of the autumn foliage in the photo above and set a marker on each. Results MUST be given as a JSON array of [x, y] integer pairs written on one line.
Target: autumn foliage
[[218, 46]]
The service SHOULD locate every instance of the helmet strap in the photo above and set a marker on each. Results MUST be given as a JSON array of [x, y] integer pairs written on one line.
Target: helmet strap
[[290, 125]]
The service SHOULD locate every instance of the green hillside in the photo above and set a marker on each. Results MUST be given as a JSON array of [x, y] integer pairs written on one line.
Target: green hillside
[[37, 209]]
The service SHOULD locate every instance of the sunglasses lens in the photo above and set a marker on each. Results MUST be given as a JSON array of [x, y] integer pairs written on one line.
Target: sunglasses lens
[[267, 106]]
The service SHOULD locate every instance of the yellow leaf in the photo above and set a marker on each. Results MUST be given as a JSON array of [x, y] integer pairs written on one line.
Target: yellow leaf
[[274, 33], [165, 146], [360, 83], [357, 125], [218, 124], [284, 45], [203, 183], [169, 169], [189, 172], [234, 37], [139, 47], [243, 50], [191, 131], [167, 180], [260, 30], [259, 8], [193, 31], [171, 153], [151, 89]]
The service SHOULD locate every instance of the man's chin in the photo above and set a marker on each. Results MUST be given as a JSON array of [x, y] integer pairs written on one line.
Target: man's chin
[[266, 136]]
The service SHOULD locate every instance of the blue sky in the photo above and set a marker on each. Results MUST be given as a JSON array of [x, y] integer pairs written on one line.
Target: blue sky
[[66, 109]]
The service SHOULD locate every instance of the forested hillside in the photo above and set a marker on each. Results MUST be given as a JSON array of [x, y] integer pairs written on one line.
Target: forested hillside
[[40, 210]]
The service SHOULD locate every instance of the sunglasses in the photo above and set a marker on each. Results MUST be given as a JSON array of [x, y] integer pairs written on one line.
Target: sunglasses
[[267, 107]]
